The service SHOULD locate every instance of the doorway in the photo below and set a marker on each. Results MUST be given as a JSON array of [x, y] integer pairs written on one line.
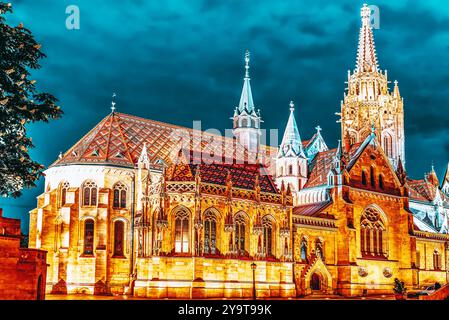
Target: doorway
[[315, 282]]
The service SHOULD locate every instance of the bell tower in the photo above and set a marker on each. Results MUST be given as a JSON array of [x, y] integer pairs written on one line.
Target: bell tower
[[368, 101], [246, 121]]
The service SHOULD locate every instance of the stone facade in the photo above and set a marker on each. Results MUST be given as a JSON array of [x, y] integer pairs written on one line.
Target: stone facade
[[131, 210], [22, 271]]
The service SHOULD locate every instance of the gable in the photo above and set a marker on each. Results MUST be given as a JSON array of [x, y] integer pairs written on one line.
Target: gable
[[315, 145], [379, 175]]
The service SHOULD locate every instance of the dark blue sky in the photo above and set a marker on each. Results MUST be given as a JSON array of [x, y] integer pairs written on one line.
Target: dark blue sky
[[182, 60]]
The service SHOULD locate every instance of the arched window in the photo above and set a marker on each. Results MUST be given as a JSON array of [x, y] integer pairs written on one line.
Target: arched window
[[119, 238], [436, 260], [372, 233], [381, 182], [303, 250], [267, 238], [64, 187], [120, 195], [89, 231], [290, 170], [89, 193], [182, 234], [244, 122], [363, 178], [319, 249], [388, 145], [210, 233], [240, 233], [372, 177]]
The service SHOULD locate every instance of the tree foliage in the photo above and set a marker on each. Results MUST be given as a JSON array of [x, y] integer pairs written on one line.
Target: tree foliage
[[21, 103]]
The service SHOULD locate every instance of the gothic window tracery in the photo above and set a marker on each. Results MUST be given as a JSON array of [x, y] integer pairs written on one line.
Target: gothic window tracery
[[303, 250], [89, 231], [119, 237], [182, 233], [210, 233], [119, 195], [90, 193], [388, 145], [319, 249], [267, 236], [372, 233], [240, 233], [64, 187]]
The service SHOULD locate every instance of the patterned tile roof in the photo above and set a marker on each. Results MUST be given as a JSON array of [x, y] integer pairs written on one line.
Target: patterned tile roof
[[425, 191], [319, 168], [242, 175], [119, 138], [313, 210], [322, 162]]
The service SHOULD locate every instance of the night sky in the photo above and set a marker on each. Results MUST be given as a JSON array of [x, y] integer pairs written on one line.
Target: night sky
[[182, 60]]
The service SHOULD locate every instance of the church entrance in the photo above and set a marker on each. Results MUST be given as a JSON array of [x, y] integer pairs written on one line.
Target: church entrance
[[315, 282]]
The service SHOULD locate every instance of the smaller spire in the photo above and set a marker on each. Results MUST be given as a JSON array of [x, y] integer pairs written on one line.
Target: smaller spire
[[113, 103], [400, 172], [396, 93], [432, 176], [143, 157], [291, 145], [247, 55], [246, 103]]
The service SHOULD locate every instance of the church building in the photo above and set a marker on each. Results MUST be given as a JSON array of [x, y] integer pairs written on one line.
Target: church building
[[151, 209]]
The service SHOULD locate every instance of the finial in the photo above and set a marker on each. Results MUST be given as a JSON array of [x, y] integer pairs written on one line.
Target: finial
[[247, 54], [60, 155], [113, 102], [292, 106], [365, 13], [318, 129], [395, 82]]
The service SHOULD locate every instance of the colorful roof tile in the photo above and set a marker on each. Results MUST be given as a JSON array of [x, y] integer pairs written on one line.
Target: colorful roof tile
[[119, 139]]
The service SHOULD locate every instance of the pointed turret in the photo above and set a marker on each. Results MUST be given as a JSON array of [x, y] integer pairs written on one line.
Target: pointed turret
[[445, 185], [291, 145], [246, 127], [432, 177], [291, 161], [246, 99], [143, 157], [400, 172], [338, 159], [396, 93], [366, 53]]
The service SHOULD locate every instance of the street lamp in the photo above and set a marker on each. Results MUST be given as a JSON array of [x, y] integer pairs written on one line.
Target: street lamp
[[253, 267]]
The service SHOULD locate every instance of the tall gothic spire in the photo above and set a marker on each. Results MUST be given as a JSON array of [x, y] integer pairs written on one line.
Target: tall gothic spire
[[246, 99], [366, 53], [291, 145]]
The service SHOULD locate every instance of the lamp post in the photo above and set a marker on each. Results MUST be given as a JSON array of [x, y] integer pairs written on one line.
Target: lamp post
[[253, 267]]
